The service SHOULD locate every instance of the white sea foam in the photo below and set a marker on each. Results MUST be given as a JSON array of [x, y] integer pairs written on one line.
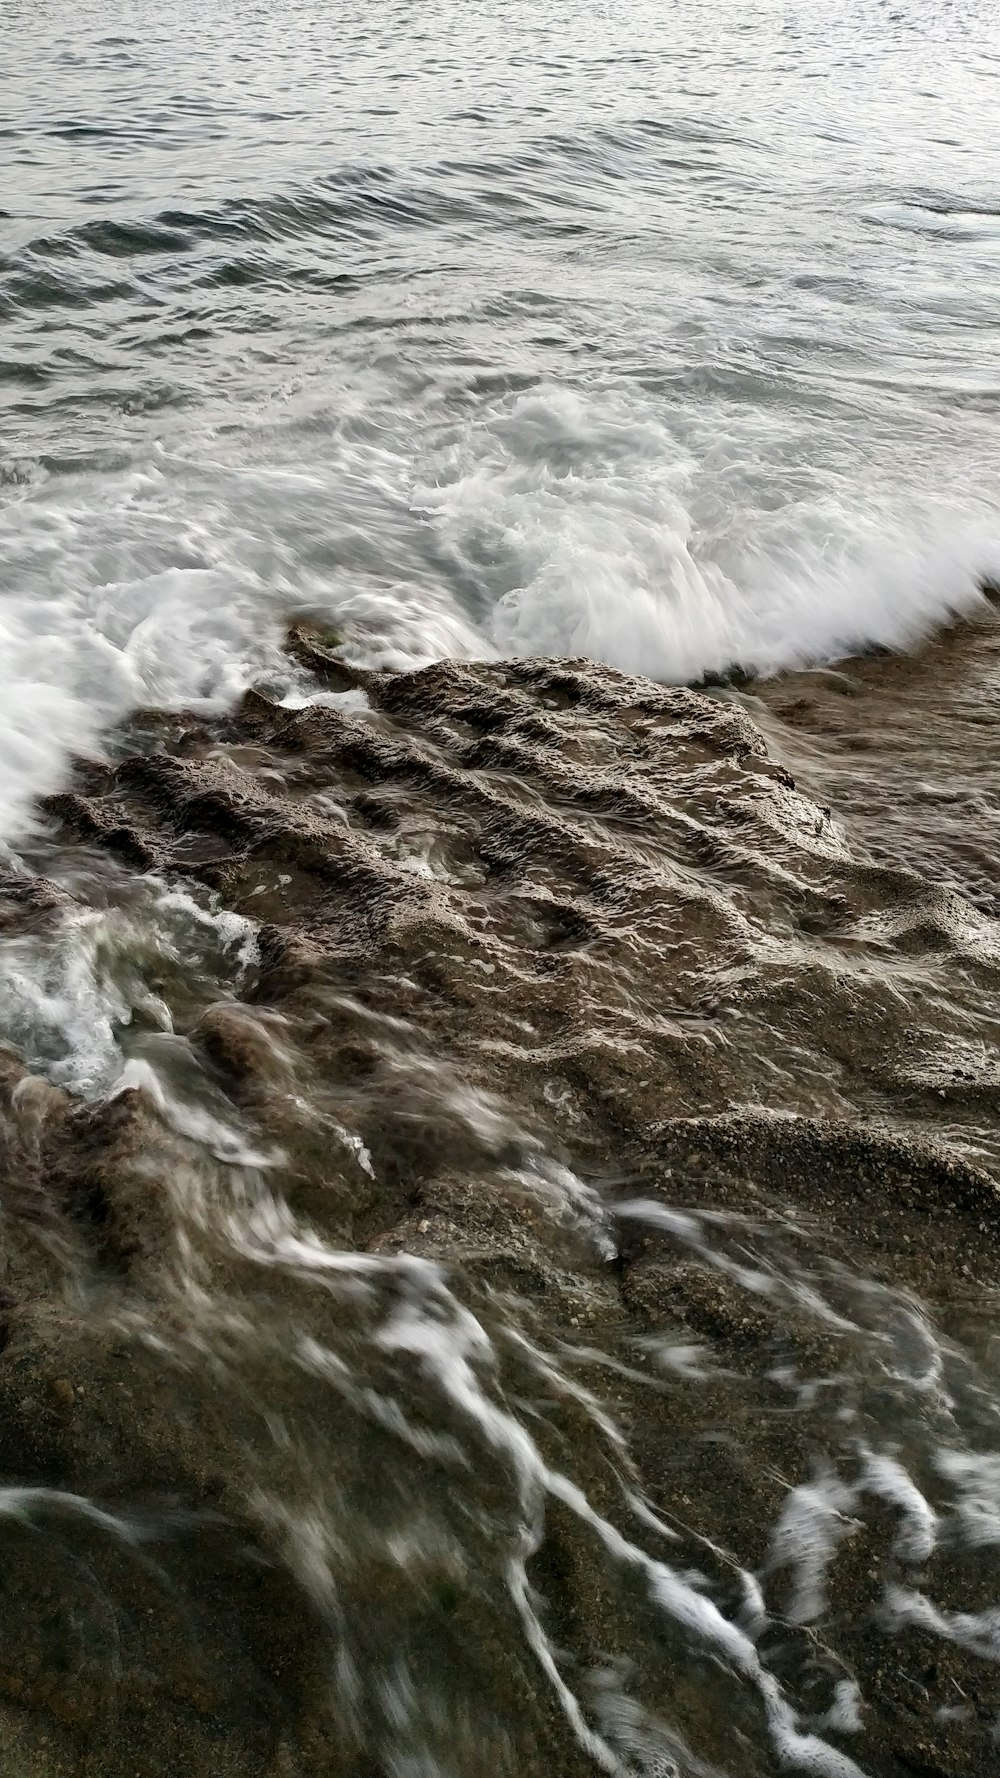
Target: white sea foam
[[814, 1521], [976, 1477], [606, 531], [69, 990], [560, 521], [106, 604], [885, 1477], [168, 583], [452, 1348], [976, 1631]]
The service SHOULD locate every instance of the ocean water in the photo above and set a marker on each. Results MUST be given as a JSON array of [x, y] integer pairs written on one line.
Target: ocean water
[[666, 335]]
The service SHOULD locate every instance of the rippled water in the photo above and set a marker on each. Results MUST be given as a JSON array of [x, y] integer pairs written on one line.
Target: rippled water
[[662, 334], [668, 335]]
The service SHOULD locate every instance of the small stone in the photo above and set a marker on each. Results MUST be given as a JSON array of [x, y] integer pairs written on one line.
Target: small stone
[[63, 1391]]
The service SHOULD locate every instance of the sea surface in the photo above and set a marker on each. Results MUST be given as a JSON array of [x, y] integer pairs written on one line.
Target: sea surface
[[661, 335], [666, 335]]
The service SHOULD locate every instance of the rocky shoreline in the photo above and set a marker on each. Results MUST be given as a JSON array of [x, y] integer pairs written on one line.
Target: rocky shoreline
[[572, 1021]]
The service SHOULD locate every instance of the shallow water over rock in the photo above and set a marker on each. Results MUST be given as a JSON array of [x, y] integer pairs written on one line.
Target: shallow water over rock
[[526, 1299]]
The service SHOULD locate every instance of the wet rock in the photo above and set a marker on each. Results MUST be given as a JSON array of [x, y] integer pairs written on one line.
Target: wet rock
[[378, 1428]]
